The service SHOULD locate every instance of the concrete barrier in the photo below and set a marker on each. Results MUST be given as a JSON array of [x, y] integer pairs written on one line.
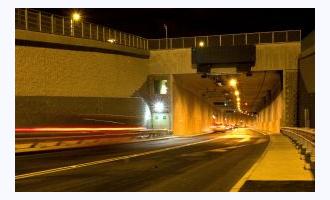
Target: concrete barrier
[[30, 142]]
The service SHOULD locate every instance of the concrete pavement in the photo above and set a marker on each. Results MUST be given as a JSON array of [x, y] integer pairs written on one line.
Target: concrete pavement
[[279, 169], [212, 162]]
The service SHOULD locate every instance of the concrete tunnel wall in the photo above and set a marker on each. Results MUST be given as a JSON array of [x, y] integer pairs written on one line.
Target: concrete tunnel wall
[[270, 117], [191, 115]]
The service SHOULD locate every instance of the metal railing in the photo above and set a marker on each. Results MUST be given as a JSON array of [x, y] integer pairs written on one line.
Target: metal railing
[[304, 140], [33, 20], [226, 40]]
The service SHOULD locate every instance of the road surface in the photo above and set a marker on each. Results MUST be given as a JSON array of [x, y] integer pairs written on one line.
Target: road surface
[[212, 162]]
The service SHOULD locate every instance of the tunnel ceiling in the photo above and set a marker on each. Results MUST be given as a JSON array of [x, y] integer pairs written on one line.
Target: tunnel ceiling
[[254, 90]]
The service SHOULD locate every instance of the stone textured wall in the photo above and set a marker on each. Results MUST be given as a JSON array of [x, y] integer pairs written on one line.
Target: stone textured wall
[[174, 61], [36, 111], [306, 81], [290, 97], [277, 56], [306, 90], [58, 72]]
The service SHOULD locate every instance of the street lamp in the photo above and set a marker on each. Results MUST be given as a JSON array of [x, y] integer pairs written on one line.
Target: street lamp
[[74, 18], [201, 44], [165, 27]]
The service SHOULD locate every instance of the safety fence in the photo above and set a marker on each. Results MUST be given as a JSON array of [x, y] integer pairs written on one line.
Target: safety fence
[[34, 20], [226, 40], [32, 142], [304, 140]]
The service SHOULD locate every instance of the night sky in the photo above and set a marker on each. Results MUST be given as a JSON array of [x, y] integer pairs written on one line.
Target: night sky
[[192, 22]]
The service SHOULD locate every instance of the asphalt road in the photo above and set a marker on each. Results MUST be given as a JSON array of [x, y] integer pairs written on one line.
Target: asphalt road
[[212, 162]]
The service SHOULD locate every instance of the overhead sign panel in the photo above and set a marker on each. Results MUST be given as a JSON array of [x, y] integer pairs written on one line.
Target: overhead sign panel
[[225, 56]]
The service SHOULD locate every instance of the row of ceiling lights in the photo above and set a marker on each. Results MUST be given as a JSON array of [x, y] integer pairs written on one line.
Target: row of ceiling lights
[[233, 84]]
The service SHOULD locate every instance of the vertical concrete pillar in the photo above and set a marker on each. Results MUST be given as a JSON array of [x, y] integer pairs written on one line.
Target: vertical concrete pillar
[[290, 85]]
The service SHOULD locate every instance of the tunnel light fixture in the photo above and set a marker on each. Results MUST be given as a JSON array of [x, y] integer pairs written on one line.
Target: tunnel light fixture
[[76, 16], [245, 103], [238, 99], [233, 82], [236, 93], [201, 44], [159, 107]]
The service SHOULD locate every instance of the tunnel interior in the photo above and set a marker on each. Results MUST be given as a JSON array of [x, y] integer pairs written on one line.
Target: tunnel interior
[[257, 93], [255, 90]]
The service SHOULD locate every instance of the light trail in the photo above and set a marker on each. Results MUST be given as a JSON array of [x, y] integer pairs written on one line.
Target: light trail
[[78, 129]]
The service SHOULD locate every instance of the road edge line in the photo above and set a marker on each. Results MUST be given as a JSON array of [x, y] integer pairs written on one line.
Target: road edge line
[[238, 185], [91, 163]]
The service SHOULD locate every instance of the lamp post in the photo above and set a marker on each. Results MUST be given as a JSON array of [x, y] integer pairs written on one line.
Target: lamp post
[[75, 18], [165, 26]]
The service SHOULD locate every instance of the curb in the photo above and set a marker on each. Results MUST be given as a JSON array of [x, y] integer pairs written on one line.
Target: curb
[[238, 185]]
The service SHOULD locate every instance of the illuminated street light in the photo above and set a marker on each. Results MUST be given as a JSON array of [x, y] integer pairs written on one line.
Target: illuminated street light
[[159, 107], [236, 92], [238, 99], [233, 82], [201, 44], [76, 16]]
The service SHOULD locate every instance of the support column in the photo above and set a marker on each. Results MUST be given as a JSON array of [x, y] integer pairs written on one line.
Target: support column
[[290, 85]]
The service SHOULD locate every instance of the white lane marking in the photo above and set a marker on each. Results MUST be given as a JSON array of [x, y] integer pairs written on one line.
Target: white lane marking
[[50, 171], [101, 120], [224, 149]]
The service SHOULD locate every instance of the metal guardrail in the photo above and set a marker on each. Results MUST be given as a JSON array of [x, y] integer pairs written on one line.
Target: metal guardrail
[[33, 20], [304, 140], [226, 40]]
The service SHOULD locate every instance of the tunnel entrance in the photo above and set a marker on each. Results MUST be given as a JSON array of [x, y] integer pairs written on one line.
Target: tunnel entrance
[[243, 104]]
